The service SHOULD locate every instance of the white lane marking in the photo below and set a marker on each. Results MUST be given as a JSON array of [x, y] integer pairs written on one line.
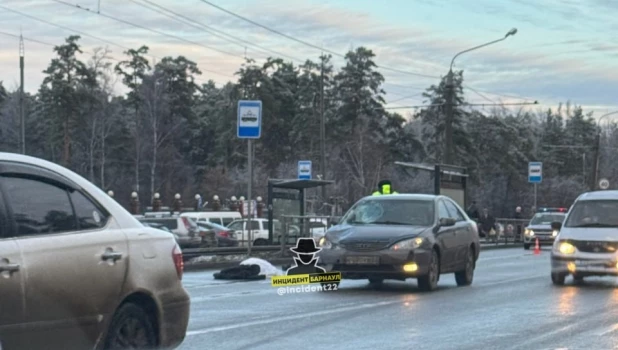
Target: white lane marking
[[513, 280], [290, 318], [546, 335], [501, 257], [610, 330]]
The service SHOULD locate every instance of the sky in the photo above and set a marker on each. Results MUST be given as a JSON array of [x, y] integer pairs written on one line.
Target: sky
[[564, 50]]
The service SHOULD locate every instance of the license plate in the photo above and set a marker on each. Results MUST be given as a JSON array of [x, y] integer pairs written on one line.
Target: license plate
[[592, 263], [362, 260]]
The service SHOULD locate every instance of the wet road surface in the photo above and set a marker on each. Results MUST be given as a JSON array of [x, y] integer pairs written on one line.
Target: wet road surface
[[510, 305]]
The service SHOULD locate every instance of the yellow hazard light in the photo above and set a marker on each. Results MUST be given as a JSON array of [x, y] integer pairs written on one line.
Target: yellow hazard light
[[571, 267], [411, 267]]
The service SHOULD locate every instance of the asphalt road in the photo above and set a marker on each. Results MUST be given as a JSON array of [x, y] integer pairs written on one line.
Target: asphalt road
[[510, 305]]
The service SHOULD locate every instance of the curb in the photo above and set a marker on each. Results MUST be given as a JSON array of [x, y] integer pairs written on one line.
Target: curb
[[200, 266]]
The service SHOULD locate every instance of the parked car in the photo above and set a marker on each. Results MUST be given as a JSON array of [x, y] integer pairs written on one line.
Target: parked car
[[225, 237], [160, 227], [216, 217], [403, 236], [540, 226], [587, 242], [78, 271], [186, 230]]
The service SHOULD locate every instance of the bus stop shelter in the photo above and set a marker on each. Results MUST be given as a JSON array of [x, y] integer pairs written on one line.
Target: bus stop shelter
[[287, 198], [448, 180]]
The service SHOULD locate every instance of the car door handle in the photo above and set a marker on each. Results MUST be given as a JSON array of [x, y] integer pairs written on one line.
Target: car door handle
[[111, 255], [9, 268]]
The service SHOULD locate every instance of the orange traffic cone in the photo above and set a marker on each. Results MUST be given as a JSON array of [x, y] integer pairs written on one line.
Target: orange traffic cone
[[537, 248]]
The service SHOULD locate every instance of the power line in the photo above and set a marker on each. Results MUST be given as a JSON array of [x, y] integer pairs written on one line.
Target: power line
[[218, 33], [466, 105], [404, 98], [497, 94], [89, 35], [86, 51], [63, 27], [304, 42], [147, 29], [27, 39], [481, 95]]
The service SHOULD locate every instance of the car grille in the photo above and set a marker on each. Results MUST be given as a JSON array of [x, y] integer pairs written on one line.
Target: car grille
[[542, 233], [365, 246], [595, 246]]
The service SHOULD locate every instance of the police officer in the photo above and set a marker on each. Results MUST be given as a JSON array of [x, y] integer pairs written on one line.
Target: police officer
[[384, 187]]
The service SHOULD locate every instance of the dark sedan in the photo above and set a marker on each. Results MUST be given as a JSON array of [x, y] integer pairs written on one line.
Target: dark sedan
[[403, 236], [225, 237]]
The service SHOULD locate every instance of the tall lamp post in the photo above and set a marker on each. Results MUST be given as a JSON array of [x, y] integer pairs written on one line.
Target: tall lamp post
[[597, 160], [448, 129]]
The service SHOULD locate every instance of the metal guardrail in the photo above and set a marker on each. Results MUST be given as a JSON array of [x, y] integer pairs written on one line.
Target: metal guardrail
[[194, 252]]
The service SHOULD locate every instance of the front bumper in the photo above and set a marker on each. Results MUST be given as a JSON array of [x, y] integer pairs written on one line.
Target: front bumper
[[585, 264], [543, 240], [391, 263]]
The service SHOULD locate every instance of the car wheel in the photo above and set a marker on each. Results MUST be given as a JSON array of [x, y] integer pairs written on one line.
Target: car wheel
[[429, 282], [526, 246], [558, 278], [131, 328], [465, 276], [260, 241], [376, 281]]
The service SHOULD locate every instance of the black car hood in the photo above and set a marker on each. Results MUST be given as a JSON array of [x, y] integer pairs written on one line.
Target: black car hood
[[393, 233]]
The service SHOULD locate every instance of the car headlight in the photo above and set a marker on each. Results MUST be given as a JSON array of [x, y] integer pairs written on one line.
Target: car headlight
[[408, 244], [325, 243], [554, 233], [565, 248], [529, 232]]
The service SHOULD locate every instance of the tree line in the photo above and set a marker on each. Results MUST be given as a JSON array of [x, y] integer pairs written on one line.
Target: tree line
[[169, 134]]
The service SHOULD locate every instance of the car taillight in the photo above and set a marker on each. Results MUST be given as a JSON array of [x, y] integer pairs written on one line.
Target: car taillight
[[224, 233], [187, 224], [178, 263]]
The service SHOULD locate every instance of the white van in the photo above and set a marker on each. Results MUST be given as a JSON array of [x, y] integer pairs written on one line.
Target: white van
[[222, 218]]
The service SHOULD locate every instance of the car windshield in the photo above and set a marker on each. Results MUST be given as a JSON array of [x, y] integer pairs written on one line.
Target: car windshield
[[391, 212], [547, 219], [594, 213]]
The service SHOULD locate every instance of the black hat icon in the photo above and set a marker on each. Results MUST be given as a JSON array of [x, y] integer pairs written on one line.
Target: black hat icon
[[305, 246]]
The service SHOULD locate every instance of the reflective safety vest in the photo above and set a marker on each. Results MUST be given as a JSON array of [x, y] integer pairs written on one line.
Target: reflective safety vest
[[386, 189], [378, 193]]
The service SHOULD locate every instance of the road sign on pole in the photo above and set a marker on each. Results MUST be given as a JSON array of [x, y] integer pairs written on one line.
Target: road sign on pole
[[249, 119], [535, 172], [604, 184], [304, 170]]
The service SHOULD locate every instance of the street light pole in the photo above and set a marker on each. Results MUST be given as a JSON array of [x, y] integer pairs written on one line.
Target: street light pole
[[450, 101], [597, 160]]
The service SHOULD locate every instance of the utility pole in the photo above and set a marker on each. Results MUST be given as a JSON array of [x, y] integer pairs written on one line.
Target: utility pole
[[597, 161], [322, 130], [22, 118], [448, 127]]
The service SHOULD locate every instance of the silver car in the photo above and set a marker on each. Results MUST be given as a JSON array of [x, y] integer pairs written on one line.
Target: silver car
[[587, 242], [77, 271]]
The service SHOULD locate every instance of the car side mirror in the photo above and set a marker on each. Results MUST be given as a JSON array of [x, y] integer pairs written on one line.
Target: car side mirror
[[556, 225], [445, 222]]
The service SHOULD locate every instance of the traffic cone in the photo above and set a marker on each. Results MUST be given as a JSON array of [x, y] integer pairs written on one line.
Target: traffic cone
[[537, 248]]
